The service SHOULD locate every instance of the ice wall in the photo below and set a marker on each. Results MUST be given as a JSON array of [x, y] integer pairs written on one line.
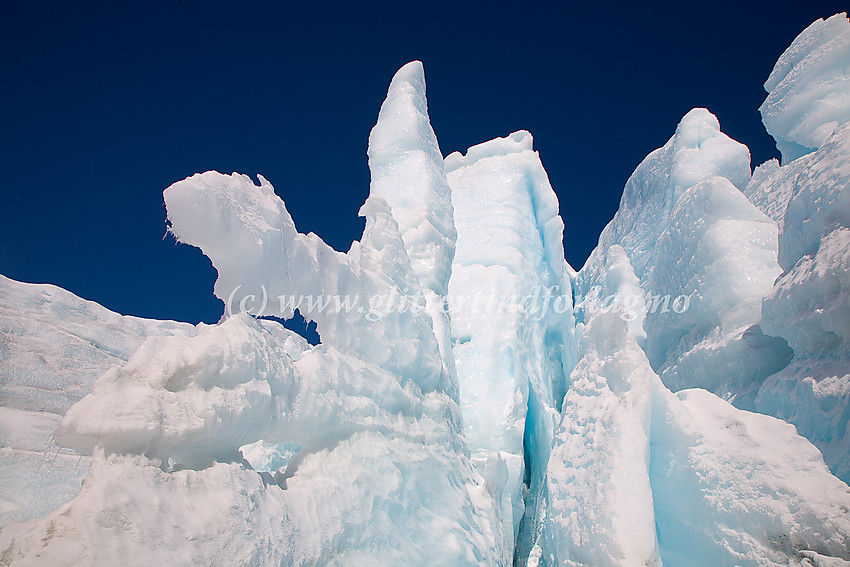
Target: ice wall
[[597, 505], [248, 234], [458, 410], [54, 345], [809, 306], [382, 474], [697, 151], [761, 288], [408, 173], [511, 309], [806, 112], [767, 285], [719, 255]]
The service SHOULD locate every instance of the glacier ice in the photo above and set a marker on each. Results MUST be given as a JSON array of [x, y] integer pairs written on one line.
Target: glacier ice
[[378, 458], [474, 400], [704, 256], [597, 499], [806, 111], [809, 305], [53, 346], [809, 89], [641, 476], [511, 361], [383, 472], [408, 173], [224, 214], [779, 505], [696, 152], [720, 251]]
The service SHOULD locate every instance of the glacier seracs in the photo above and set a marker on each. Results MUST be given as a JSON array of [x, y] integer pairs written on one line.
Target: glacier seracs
[[383, 474], [641, 476], [809, 88], [809, 304], [512, 324], [474, 400]]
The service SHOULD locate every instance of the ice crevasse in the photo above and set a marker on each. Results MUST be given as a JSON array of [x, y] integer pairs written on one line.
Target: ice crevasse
[[501, 408]]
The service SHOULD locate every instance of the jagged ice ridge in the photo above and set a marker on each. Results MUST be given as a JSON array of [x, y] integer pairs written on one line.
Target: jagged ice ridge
[[683, 399]]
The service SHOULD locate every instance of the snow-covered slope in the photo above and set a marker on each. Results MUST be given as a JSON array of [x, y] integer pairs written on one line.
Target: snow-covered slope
[[474, 400]]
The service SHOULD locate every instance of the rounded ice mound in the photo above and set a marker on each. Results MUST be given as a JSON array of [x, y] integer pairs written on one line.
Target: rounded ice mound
[[698, 150], [703, 151], [809, 88]]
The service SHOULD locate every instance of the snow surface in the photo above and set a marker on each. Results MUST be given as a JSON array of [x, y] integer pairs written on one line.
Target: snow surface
[[474, 400]]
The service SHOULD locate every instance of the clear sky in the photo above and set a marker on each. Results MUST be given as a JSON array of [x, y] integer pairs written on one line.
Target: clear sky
[[106, 104]]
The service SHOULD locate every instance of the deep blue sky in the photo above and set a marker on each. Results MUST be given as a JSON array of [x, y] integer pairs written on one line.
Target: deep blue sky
[[103, 106]]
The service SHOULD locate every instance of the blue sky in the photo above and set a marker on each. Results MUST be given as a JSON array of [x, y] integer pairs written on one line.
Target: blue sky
[[103, 106]]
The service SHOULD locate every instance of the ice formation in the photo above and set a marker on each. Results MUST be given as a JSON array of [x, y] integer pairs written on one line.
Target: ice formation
[[512, 354], [53, 346], [809, 89], [681, 400], [641, 476]]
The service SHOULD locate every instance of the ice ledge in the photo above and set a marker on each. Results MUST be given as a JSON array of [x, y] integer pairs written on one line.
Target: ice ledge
[[809, 89], [515, 143]]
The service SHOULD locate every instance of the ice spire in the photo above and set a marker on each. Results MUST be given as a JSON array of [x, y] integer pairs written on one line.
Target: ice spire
[[408, 173]]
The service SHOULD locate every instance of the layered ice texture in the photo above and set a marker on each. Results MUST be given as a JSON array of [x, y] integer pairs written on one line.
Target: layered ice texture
[[809, 89], [53, 346], [681, 400], [381, 472]]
